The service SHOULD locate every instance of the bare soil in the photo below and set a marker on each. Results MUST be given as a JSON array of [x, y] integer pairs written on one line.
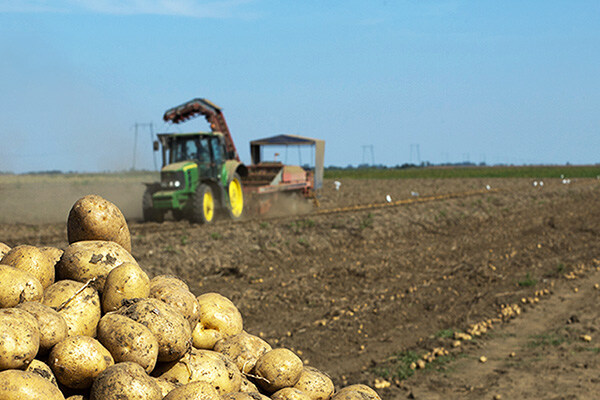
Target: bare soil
[[350, 291]]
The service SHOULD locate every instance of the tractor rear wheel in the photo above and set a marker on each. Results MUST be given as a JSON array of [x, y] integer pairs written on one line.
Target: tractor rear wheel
[[235, 207], [148, 211], [203, 205]]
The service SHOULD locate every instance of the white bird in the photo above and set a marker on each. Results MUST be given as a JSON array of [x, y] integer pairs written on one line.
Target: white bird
[[337, 185], [414, 194], [541, 183], [488, 187], [388, 198], [535, 183]]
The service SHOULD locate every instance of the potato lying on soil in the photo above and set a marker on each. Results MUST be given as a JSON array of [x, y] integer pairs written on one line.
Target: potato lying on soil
[[95, 218], [277, 369], [194, 391], [20, 338], [78, 360], [52, 325], [4, 248], [244, 349], [219, 318], [85, 260], [78, 304], [177, 295], [43, 370], [128, 340], [18, 286], [203, 365], [171, 329], [315, 384], [125, 381], [289, 393], [125, 282], [356, 392], [33, 260], [24, 385], [244, 396]]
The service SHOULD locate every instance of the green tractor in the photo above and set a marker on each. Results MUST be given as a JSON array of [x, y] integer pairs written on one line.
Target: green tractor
[[202, 172]]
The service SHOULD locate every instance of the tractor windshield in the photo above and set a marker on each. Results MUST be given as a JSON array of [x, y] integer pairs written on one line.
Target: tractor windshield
[[192, 148]]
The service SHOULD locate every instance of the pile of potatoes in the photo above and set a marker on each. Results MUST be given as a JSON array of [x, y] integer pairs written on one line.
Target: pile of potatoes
[[87, 323]]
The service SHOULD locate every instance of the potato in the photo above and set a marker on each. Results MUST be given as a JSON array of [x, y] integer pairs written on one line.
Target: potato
[[165, 385], [90, 259], [125, 282], [244, 349], [219, 318], [128, 340], [18, 286], [52, 325], [168, 279], [171, 329], [53, 253], [77, 360], [247, 386], [19, 340], [203, 365], [277, 369], [125, 381], [194, 391], [33, 260], [315, 384], [77, 304], [244, 396], [24, 385], [289, 393], [4, 248], [43, 370], [95, 218], [177, 295], [356, 392]]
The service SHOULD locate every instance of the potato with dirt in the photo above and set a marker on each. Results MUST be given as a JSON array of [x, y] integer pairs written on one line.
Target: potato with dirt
[[53, 253], [315, 384], [42, 369], [356, 392], [203, 365], [52, 325], [244, 349], [277, 369], [33, 260], [175, 292], [219, 318], [125, 381], [289, 393], [77, 360], [92, 259], [197, 390], [128, 340], [25, 385], [95, 218], [245, 396], [4, 248], [125, 282], [77, 303], [20, 338], [171, 329], [18, 286]]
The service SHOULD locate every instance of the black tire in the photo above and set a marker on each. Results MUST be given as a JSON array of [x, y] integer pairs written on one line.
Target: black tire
[[202, 208], [150, 214], [235, 211]]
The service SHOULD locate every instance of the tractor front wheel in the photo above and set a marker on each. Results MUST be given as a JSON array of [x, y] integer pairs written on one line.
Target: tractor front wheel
[[203, 205]]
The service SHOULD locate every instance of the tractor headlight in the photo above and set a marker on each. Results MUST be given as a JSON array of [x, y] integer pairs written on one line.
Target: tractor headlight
[[176, 184]]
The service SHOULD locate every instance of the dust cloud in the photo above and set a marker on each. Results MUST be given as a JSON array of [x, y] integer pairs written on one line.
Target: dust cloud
[[289, 205]]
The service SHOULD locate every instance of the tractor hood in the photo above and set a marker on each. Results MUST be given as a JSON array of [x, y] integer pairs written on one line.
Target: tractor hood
[[182, 165]]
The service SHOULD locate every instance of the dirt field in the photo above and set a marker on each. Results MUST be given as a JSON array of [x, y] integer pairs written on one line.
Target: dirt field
[[362, 294]]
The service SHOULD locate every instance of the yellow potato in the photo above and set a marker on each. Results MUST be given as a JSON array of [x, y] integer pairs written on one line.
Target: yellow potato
[[19, 340], [78, 360], [244, 396], [33, 260], [356, 392], [43, 370], [125, 381], [77, 304], [125, 282], [52, 325], [277, 369], [244, 349], [315, 384], [4, 248], [53, 253], [194, 391], [90, 259], [95, 218], [24, 385], [219, 318], [289, 393], [166, 386], [177, 295], [18, 286], [128, 340]]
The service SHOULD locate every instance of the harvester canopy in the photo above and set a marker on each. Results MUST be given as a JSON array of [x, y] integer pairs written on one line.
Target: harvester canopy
[[292, 140]]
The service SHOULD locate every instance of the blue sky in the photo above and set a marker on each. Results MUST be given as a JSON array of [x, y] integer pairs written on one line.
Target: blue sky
[[494, 81]]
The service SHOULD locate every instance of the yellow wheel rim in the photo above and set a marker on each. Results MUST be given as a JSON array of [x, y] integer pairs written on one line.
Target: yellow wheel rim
[[208, 206], [236, 197]]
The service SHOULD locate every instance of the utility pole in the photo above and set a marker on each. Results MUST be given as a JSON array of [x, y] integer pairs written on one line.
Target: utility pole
[[415, 147], [366, 150], [138, 126]]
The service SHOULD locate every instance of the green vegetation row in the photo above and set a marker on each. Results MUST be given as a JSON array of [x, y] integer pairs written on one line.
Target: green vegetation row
[[534, 172]]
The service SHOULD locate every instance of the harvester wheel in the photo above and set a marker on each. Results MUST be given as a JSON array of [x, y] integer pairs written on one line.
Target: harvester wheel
[[236, 197], [148, 211], [203, 205]]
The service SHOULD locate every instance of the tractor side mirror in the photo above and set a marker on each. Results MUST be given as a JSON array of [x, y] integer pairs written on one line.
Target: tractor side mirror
[[155, 145]]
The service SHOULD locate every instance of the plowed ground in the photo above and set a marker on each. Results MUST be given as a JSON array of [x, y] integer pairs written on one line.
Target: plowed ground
[[349, 291]]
